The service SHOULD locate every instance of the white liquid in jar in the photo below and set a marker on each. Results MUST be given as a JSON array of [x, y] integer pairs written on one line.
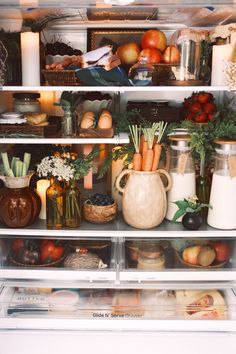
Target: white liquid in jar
[[183, 186], [223, 202]]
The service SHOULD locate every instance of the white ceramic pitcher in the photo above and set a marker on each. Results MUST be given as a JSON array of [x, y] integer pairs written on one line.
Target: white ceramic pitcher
[[144, 197]]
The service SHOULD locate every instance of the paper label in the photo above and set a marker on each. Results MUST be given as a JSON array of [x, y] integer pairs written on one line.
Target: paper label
[[232, 166], [182, 162]]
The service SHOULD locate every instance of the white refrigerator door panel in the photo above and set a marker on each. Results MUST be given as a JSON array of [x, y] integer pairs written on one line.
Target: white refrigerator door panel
[[38, 342]]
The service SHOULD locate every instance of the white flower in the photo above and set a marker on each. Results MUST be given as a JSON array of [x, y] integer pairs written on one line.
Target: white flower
[[56, 167]]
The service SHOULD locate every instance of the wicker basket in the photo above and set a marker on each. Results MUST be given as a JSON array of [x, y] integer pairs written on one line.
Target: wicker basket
[[99, 214], [61, 77]]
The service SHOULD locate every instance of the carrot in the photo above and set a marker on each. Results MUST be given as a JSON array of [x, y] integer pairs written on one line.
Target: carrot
[[137, 161], [135, 133], [157, 155], [141, 143], [145, 147], [147, 160]]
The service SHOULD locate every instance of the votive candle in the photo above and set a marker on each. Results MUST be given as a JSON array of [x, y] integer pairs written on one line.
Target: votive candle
[[42, 186]]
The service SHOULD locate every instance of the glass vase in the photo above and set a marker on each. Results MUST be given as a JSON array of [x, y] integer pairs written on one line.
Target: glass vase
[[203, 187], [55, 196], [67, 123], [72, 205]]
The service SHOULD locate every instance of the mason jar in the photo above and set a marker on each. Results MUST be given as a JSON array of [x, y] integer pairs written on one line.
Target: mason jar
[[26, 102], [223, 188], [182, 173]]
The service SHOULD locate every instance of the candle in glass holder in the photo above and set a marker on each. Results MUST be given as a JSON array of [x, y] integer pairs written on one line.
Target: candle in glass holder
[[30, 59], [42, 186]]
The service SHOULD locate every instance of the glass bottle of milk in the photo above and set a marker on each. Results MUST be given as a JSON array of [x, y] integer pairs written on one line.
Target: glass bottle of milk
[[182, 172], [223, 188]]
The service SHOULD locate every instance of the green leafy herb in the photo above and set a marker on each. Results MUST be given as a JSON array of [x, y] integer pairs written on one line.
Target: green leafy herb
[[82, 165], [189, 205]]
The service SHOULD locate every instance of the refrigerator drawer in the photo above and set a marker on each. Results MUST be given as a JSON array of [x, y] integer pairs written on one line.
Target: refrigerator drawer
[[175, 307]]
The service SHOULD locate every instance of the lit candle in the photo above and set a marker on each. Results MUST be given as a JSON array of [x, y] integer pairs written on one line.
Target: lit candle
[[47, 102], [88, 179], [116, 168], [30, 59], [42, 186]]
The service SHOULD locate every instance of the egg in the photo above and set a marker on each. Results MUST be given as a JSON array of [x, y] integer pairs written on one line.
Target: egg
[[105, 120], [87, 123], [88, 120]]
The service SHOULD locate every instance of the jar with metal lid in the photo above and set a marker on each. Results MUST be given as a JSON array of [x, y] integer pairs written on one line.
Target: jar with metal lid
[[182, 172], [223, 189], [26, 102]]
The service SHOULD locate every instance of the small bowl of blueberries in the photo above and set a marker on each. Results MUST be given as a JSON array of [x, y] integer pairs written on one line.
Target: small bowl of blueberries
[[100, 209]]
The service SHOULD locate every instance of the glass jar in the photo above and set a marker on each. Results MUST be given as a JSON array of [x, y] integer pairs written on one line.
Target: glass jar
[[182, 172], [55, 196], [223, 189], [72, 205], [151, 256], [26, 102], [142, 72]]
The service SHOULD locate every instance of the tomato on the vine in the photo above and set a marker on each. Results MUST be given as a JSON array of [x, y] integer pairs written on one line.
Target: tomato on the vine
[[204, 97], [209, 107], [195, 107], [201, 117], [50, 251]]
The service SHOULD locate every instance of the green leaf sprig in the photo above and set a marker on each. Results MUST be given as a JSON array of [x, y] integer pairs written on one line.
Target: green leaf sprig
[[189, 205], [83, 164]]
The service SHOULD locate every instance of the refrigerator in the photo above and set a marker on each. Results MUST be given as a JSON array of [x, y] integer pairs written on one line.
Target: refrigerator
[[124, 304]]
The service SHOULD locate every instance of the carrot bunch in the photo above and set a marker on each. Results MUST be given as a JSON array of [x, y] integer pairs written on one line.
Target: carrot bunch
[[147, 146]]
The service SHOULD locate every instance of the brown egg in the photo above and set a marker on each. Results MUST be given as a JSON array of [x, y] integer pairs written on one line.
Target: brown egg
[[86, 123], [88, 114], [105, 120]]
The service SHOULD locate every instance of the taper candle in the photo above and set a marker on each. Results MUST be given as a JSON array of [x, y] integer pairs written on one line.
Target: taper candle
[[116, 168], [42, 186], [30, 59]]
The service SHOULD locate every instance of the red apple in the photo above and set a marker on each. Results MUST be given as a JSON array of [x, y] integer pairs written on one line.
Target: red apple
[[221, 250], [128, 53], [154, 39], [151, 56], [171, 55]]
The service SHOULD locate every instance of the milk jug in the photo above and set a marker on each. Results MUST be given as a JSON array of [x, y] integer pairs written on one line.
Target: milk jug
[[182, 173], [223, 188]]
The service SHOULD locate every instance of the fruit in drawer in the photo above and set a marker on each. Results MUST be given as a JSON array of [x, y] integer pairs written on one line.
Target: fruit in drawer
[[51, 251], [154, 38], [222, 251], [206, 256], [190, 254], [128, 53]]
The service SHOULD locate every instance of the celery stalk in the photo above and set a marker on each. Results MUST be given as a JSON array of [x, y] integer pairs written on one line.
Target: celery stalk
[[10, 173], [18, 166], [27, 158], [24, 169], [5, 161]]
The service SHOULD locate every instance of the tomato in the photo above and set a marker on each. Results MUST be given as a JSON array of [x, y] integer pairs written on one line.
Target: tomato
[[186, 102], [201, 117], [151, 55], [222, 251], [211, 116], [209, 107], [190, 116], [50, 251], [195, 107], [154, 39], [204, 97], [17, 245]]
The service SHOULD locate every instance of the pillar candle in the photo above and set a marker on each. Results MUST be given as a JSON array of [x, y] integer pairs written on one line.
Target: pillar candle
[[30, 59], [116, 168], [88, 179], [220, 56], [47, 102], [42, 186]]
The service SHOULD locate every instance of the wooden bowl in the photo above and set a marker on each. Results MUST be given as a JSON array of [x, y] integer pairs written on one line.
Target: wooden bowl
[[189, 265], [99, 214], [52, 264]]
